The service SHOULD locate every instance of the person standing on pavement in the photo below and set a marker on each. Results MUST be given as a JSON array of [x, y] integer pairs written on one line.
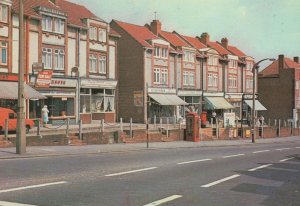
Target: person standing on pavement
[[45, 112]]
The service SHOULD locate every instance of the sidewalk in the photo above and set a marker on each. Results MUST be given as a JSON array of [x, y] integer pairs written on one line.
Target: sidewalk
[[44, 151]]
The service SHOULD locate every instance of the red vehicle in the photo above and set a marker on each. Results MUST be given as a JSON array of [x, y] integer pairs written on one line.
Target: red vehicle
[[9, 114]]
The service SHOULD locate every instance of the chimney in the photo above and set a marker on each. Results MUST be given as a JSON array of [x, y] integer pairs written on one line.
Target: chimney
[[224, 42], [53, 1], [280, 62], [296, 59], [155, 27], [204, 38]]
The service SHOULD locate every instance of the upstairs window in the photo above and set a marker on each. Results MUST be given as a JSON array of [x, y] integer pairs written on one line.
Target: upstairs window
[[59, 59], [232, 63], [4, 13], [156, 52], [188, 56], [97, 63], [93, 33], [102, 64], [156, 76], [59, 26], [160, 76], [102, 35], [232, 81], [47, 58], [47, 23], [249, 83], [164, 76], [3, 50], [213, 61], [249, 66], [161, 52], [93, 63], [212, 80], [188, 78]]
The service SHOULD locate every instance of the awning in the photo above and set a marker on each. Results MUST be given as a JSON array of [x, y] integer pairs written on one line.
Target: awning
[[258, 105], [217, 103], [167, 99], [9, 90]]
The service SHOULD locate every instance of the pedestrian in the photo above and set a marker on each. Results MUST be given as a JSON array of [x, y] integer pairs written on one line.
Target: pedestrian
[[261, 120], [214, 116], [45, 112]]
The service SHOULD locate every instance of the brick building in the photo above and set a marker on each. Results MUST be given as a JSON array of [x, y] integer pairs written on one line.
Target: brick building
[[279, 89]]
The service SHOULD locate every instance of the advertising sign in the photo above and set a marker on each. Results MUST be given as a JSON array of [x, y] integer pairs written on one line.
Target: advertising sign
[[43, 79], [138, 98], [229, 119]]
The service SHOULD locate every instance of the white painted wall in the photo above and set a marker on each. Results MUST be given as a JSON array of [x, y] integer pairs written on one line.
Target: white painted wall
[[4, 31], [15, 50], [83, 64], [112, 62], [53, 40], [71, 54], [33, 48], [98, 47]]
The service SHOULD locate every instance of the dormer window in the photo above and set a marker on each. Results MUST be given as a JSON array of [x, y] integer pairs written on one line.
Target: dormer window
[[249, 66], [189, 56], [59, 26], [102, 35], [47, 23], [161, 52], [97, 34], [3, 13], [213, 61], [232, 63]]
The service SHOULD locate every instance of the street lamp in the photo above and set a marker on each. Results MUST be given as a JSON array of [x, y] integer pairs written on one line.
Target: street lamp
[[254, 70]]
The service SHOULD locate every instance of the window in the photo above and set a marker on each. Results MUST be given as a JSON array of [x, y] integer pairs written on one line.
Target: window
[[3, 13], [249, 83], [164, 76], [249, 66], [59, 26], [47, 58], [164, 52], [161, 52], [213, 60], [156, 75], [192, 78], [59, 59], [232, 81], [160, 76], [188, 56], [102, 64], [232, 63], [93, 63], [156, 51], [212, 80], [102, 35], [47, 23], [3, 47], [93, 33], [188, 78], [185, 78]]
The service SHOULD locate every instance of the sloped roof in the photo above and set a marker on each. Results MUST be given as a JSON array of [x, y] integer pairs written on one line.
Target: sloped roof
[[234, 50], [173, 39], [195, 42], [218, 47], [112, 32], [273, 68], [75, 12], [139, 33]]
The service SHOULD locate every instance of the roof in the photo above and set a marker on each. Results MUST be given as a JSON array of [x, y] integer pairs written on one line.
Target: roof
[[195, 42], [273, 68], [218, 47], [139, 33], [112, 32], [234, 50], [173, 39], [75, 12]]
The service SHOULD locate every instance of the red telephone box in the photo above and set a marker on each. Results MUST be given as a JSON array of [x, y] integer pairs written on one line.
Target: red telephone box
[[192, 127]]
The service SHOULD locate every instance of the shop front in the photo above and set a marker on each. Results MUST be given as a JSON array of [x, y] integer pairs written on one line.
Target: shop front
[[193, 98], [235, 99], [97, 100], [164, 103]]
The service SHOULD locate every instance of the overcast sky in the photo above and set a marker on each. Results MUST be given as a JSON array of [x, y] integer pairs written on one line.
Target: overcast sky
[[260, 28]]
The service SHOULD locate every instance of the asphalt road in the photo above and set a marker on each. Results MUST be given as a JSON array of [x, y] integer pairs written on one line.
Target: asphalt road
[[264, 174]]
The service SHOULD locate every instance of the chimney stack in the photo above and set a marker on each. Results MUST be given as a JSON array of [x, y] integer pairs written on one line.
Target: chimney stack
[[53, 1], [204, 38], [280, 62], [224, 42], [296, 59], [155, 27]]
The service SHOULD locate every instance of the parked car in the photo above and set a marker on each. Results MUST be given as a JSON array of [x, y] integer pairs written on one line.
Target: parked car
[[9, 114]]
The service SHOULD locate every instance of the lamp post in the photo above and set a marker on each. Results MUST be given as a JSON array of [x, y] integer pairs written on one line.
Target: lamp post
[[254, 70]]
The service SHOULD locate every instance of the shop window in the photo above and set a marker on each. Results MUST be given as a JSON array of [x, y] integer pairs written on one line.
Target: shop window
[[85, 102], [60, 106]]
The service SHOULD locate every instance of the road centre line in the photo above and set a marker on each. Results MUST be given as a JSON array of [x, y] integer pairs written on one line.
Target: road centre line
[[286, 159], [2, 203], [33, 186], [236, 155], [220, 181], [297, 147], [260, 151], [193, 161], [260, 167], [167, 199], [282, 149], [132, 171]]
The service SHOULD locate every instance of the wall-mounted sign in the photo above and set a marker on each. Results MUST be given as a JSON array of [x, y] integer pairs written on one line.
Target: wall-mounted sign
[[138, 98], [37, 67], [8, 77], [43, 79], [229, 119]]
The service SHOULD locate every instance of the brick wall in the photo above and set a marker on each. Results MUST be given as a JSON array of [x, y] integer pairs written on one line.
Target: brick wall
[[45, 140]]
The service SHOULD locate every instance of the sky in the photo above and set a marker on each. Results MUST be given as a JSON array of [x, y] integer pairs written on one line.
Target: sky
[[260, 28]]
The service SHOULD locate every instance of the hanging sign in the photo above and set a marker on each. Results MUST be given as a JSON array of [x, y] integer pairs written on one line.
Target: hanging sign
[[43, 79]]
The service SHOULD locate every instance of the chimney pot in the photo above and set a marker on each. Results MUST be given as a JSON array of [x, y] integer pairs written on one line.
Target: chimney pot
[[296, 59], [155, 27], [280, 61], [224, 42], [204, 38]]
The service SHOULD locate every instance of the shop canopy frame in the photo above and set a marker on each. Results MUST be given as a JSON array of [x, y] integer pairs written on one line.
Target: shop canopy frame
[[168, 99], [9, 90], [258, 105], [217, 103]]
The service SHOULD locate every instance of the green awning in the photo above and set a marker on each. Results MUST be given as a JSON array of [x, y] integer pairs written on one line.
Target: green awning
[[217, 103]]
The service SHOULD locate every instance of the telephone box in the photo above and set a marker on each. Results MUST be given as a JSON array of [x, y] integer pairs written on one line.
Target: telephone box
[[192, 127]]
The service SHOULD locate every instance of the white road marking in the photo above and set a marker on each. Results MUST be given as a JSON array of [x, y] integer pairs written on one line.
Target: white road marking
[[236, 155], [220, 181], [2, 203], [193, 161], [282, 149], [286, 159], [260, 167], [32, 186], [132, 171], [167, 199], [260, 151], [297, 147]]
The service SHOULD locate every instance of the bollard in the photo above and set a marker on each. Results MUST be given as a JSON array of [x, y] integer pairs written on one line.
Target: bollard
[[200, 129], [67, 129], [147, 130], [154, 119], [131, 136], [279, 122], [269, 123], [38, 127], [102, 125], [160, 122], [262, 129], [121, 124], [217, 128], [167, 127], [6, 129], [80, 129], [174, 117], [275, 122]]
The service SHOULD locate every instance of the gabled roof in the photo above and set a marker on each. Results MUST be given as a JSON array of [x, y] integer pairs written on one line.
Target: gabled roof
[[195, 42], [273, 68], [173, 39], [218, 47], [234, 50], [140, 33], [75, 12]]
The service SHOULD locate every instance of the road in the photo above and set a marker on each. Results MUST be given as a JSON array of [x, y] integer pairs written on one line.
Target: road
[[259, 174]]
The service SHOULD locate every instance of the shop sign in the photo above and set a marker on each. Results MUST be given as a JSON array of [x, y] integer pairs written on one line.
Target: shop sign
[[43, 79], [162, 90], [98, 83], [60, 82], [189, 93], [138, 98], [229, 119], [249, 96], [8, 77]]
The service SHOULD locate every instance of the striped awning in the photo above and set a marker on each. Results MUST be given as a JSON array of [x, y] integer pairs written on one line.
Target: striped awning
[[9, 90]]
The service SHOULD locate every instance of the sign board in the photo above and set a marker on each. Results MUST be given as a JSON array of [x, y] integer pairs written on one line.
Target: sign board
[[229, 119], [8, 77], [37, 67], [249, 96], [43, 79], [138, 98]]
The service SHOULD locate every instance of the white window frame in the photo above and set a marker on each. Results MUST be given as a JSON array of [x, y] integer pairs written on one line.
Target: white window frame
[[157, 51], [3, 47], [233, 63], [192, 78], [164, 52], [189, 56], [102, 64], [93, 63], [232, 81], [212, 80], [47, 23], [156, 79], [59, 59], [59, 25], [249, 83], [102, 35], [3, 13], [47, 58], [213, 60], [93, 33], [249, 66], [164, 76], [185, 78]]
